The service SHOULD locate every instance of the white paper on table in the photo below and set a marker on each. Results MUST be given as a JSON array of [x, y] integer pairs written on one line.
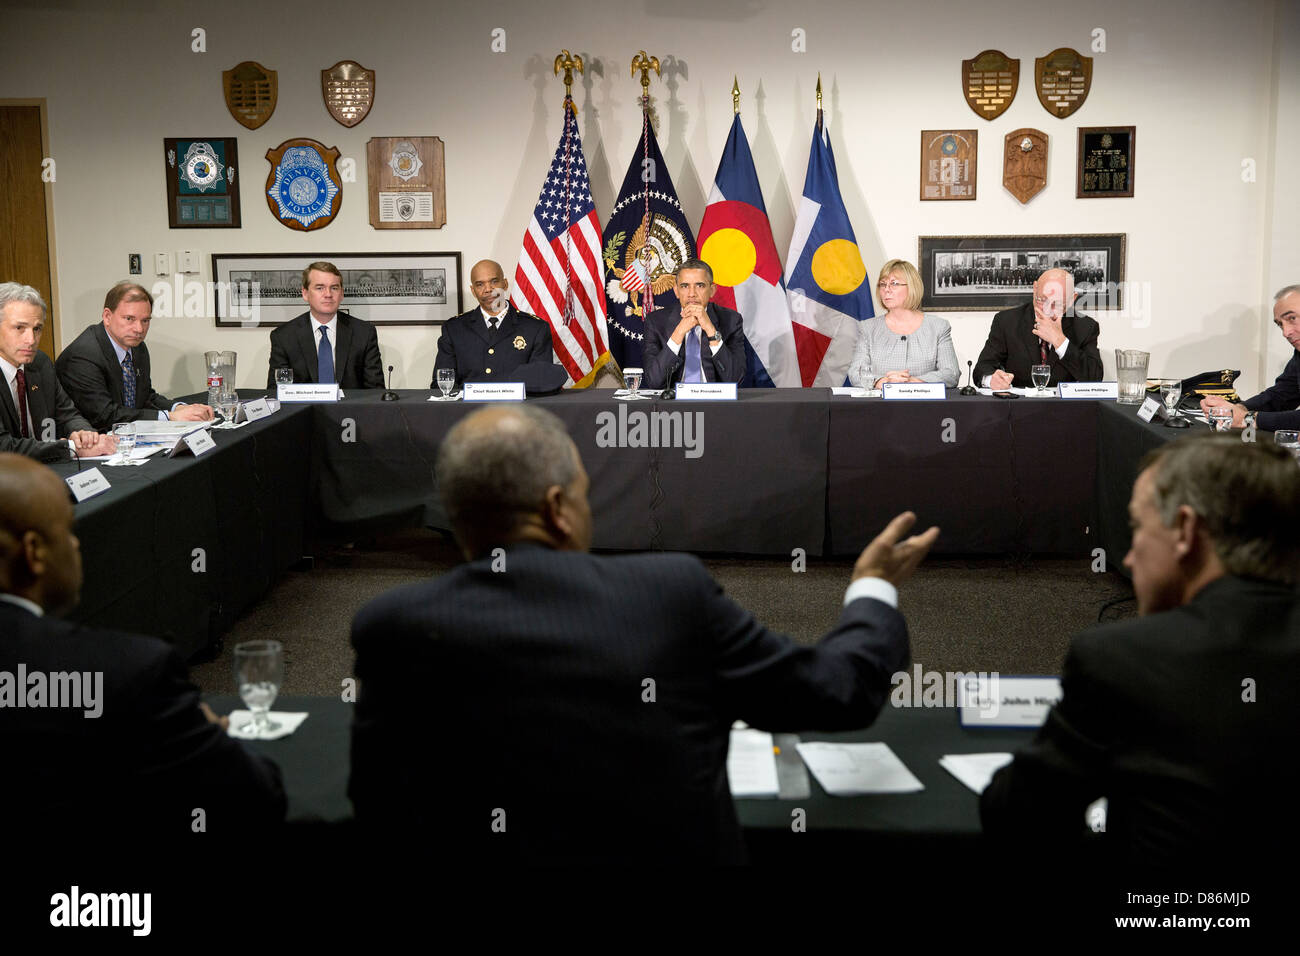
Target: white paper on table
[[242, 720], [1029, 392], [845, 770], [137, 455], [157, 431], [974, 770], [453, 397], [751, 764], [641, 395], [852, 391]]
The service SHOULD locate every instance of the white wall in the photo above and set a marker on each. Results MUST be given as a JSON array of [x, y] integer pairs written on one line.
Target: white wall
[[1196, 77]]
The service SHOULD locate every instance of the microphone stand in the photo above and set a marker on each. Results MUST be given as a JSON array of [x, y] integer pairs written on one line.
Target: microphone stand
[[969, 387], [390, 395]]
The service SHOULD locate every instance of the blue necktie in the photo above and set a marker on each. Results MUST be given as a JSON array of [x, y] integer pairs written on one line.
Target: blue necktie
[[128, 380], [694, 371], [324, 359]]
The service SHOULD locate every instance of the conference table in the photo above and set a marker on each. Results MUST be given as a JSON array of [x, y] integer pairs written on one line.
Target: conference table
[[179, 548], [314, 761]]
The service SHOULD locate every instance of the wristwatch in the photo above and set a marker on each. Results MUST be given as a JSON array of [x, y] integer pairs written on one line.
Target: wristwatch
[[716, 337], [1248, 421]]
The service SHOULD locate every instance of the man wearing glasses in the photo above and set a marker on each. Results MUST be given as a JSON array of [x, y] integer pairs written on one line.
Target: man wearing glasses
[[1044, 331]]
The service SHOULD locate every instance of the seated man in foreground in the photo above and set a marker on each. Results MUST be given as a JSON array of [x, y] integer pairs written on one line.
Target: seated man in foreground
[[695, 339], [1185, 718], [584, 703], [1278, 406]]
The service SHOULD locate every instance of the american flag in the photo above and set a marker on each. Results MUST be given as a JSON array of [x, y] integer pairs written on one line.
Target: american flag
[[558, 278]]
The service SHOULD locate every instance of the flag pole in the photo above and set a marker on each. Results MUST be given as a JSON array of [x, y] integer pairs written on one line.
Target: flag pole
[[645, 64], [735, 95], [819, 101], [568, 62]]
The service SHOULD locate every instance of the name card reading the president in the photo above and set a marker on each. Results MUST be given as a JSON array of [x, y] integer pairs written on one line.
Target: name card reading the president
[[494, 391], [1149, 408], [997, 701], [87, 484], [1092, 390], [256, 409], [308, 392], [914, 391], [706, 391]]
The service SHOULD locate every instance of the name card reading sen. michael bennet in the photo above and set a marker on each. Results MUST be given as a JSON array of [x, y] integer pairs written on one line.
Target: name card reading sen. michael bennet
[[914, 391], [1092, 390], [308, 392], [494, 391], [706, 391], [87, 484]]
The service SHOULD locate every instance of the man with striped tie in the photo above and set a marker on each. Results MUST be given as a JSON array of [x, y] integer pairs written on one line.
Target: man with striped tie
[[695, 340], [105, 369]]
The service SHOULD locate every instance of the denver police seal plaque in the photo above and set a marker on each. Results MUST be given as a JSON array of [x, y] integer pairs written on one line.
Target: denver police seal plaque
[[303, 188], [405, 161], [201, 169]]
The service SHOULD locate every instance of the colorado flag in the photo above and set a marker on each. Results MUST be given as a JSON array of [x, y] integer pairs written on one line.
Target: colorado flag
[[825, 274], [736, 241]]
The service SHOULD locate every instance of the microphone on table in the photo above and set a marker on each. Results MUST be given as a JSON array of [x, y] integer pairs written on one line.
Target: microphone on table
[[390, 395], [968, 388], [678, 366]]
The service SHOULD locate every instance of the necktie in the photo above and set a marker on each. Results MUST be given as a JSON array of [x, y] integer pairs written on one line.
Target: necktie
[[128, 380], [1042, 352], [20, 382], [694, 370], [324, 359]]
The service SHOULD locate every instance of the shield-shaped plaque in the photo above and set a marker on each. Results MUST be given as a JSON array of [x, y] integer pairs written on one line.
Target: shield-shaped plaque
[[989, 82], [349, 91], [1024, 163], [304, 190], [250, 93], [1062, 79]]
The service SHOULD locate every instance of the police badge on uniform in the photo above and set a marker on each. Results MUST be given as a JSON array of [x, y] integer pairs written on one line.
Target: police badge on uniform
[[303, 189], [201, 190], [519, 343]]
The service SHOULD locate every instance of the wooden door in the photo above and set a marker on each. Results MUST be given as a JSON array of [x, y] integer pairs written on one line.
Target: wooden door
[[26, 249]]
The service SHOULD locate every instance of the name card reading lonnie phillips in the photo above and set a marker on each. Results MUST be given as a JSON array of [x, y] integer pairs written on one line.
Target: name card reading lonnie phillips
[[1089, 390], [914, 391], [308, 393], [706, 391], [87, 484], [494, 391]]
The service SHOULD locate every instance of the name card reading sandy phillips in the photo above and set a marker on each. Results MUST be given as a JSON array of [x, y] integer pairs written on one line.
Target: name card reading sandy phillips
[[407, 182]]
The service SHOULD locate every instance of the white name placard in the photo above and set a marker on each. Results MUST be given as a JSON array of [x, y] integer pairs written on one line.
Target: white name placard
[[1149, 408], [256, 409], [308, 393], [706, 391], [996, 701], [914, 391], [493, 392], [87, 484], [199, 442], [1092, 390]]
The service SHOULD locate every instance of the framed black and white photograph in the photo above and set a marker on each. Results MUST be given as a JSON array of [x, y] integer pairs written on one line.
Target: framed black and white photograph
[[988, 273], [386, 288]]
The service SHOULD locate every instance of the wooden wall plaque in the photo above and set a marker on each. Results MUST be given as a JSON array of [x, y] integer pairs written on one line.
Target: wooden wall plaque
[[407, 182], [948, 161]]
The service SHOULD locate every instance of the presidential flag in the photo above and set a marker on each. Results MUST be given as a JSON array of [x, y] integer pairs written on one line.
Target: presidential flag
[[736, 241], [825, 275], [558, 278], [645, 240]]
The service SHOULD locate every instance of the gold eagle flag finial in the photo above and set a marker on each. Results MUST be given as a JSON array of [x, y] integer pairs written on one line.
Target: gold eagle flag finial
[[735, 95], [645, 64], [568, 62]]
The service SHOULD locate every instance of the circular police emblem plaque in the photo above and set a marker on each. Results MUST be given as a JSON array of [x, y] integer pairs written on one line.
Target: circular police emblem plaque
[[200, 169], [303, 188], [405, 161]]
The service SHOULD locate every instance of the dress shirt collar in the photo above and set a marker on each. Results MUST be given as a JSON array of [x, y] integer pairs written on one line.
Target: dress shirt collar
[[22, 602], [11, 372], [122, 353], [489, 318], [332, 325]]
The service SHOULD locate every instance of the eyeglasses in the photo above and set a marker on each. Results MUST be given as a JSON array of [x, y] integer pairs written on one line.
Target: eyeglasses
[[1042, 302], [891, 284]]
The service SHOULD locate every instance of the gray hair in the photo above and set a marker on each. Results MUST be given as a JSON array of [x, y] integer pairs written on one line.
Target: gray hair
[[696, 264], [1247, 493], [1286, 290], [17, 292], [492, 479]]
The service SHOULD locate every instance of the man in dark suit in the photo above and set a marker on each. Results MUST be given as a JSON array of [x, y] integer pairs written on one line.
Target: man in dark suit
[[587, 700], [1278, 406], [1186, 718], [37, 418], [1044, 331], [125, 747], [694, 340], [105, 370], [325, 345], [496, 342]]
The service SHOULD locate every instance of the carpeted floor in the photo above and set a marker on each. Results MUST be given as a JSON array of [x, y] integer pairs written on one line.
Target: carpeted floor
[[977, 614]]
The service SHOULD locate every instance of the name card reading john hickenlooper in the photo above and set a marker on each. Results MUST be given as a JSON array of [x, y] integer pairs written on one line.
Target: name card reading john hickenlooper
[[914, 391], [308, 392], [87, 484], [494, 391], [706, 391], [1001, 701], [1092, 390]]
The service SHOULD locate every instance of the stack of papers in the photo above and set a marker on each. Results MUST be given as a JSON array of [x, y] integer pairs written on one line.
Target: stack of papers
[[147, 432], [751, 764], [1030, 392], [846, 770], [852, 391], [974, 770]]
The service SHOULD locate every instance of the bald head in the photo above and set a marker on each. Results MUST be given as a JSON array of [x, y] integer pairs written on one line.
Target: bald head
[[40, 558], [510, 473], [488, 282], [1053, 293]]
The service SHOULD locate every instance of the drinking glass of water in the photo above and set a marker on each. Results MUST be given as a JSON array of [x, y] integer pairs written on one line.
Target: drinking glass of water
[[1041, 374], [1290, 440], [283, 376], [1220, 417], [446, 381], [632, 378], [259, 674], [228, 405], [124, 432]]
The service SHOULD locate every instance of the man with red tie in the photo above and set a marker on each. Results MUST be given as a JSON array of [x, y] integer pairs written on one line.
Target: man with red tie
[[37, 418]]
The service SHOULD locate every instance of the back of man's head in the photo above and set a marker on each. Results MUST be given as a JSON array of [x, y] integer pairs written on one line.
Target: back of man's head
[[1247, 495], [39, 557], [494, 471]]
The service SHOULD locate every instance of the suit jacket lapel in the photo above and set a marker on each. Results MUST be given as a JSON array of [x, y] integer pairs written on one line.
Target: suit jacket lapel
[[307, 342], [40, 399], [10, 410], [110, 356], [343, 336]]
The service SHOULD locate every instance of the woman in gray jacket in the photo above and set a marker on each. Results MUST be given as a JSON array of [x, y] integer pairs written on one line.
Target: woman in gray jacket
[[904, 344]]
